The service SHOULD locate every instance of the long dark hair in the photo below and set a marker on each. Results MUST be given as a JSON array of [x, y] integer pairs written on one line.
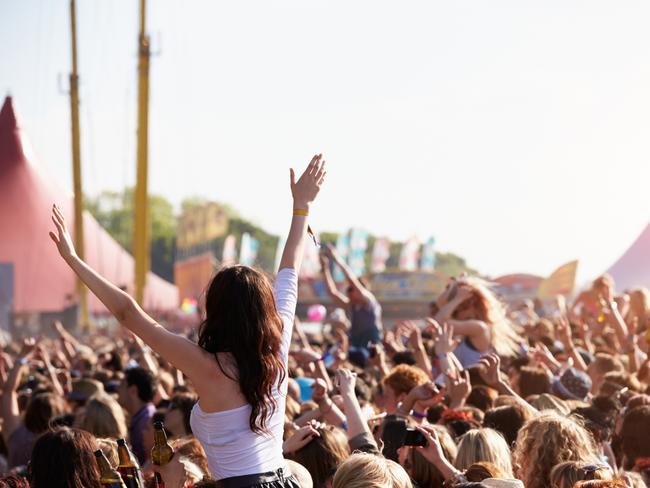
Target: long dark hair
[[242, 319], [63, 458]]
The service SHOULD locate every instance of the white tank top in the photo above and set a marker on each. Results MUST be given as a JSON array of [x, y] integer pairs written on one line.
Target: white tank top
[[232, 448]]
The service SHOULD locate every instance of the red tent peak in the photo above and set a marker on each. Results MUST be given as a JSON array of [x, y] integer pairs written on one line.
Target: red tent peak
[[11, 143], [8, 120]]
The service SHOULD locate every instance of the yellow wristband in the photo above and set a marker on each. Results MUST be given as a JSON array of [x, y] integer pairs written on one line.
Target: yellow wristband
[[300, 211]]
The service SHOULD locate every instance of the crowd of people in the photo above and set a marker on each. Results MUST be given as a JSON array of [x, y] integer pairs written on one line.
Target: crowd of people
[[478, 394]]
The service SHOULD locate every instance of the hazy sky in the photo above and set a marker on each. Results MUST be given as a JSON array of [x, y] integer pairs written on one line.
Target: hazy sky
[[515, 132]]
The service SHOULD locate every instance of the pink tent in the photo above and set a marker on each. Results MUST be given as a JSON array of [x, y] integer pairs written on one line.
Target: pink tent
[[632, 270], [42, 282]]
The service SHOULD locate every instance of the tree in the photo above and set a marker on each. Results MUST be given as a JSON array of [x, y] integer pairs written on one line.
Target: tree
[[114, 212]]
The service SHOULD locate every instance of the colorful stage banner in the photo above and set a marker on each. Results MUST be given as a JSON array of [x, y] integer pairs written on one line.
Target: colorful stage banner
[[358, 246], [561, 282], [248, 249], [408, 259], [380, 254], [229, 256], [428, 259], [310, 267], [343, 250]]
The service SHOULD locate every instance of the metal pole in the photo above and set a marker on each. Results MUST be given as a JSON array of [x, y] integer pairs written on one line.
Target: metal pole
[[141, 218], [76, 167]]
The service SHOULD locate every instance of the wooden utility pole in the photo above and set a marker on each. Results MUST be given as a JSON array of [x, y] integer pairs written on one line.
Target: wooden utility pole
[[82, 293], [141, 239]]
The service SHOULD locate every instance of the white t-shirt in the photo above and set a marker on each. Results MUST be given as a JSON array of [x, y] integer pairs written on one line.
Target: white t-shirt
[[232, 448]]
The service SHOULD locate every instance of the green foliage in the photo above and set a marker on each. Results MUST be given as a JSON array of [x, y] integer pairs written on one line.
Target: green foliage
[[114, 212]]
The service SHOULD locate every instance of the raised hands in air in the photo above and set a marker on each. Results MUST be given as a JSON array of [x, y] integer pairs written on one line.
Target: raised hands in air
[[306, 188]]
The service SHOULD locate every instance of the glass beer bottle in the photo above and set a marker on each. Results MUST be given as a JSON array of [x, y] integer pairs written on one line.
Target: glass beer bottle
[[128, 466], [162, 452], [109, 478]]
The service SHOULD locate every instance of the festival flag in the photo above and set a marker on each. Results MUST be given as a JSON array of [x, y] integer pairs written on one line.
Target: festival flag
[[248, 250], [229, 256], [428, 259], [310, 267], [342, 249], [282, 240], [358, 246], [380, 254], [408, 259], [561, 282]]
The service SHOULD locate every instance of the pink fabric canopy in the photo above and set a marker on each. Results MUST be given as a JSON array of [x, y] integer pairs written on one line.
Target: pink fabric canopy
[[42, 280], [632, 270]]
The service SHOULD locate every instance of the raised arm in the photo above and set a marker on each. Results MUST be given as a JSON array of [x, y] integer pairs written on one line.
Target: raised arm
[[178, 350], [339, 298], [352, 278], [9, 409], [304, 192]]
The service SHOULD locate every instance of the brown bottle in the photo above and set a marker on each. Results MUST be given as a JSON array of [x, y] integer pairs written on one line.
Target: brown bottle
[[109, 478], [162, 452], [128, 467]]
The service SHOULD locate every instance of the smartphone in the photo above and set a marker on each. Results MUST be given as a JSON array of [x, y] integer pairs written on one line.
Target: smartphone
[[414, 438]]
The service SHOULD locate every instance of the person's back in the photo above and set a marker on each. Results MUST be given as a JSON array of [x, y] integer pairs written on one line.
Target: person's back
[[231, 446], [365, 323]]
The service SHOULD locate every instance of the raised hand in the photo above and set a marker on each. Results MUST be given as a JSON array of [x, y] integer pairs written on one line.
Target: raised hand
[[301, 438], [445, 342], [490, 369], [563, 329], [28, 348], [306, 188], [62, 237], [458, 388], [433, 451], [427, 393], [346, 380], [319, 391]]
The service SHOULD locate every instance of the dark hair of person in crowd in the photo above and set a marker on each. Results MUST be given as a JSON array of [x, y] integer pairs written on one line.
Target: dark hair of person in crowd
[[323, 454], [14, 482], [242, 319], [183, 404], [206, 484], [507, 420], [64, 458], [41, 409], [533, 381], [635, 435], [482, 397], [404, 357], [471, 484], [434, 414], [144, 380]]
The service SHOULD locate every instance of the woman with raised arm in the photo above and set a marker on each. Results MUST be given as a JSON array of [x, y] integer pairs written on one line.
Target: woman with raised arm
[[239, 365], [478, 316]]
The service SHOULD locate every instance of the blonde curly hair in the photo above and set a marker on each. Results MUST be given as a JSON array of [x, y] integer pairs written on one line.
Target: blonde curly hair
[[546, 441]]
